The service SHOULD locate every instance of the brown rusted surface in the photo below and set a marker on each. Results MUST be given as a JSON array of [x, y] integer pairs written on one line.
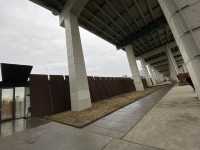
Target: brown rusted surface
[[40, 96], [50, 96], [58, 93]]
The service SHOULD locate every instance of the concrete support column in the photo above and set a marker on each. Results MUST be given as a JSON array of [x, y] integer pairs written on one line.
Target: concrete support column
[[153, 77], [183, 18], [79, 90], [173, 74], [181, 69], [134, 68], [171, 58], [159, 76], [172, 65], [145, 72], [185, 68], [162, 77]]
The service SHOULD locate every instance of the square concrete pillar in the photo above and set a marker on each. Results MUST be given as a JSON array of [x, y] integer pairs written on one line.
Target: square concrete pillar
[[173, 74], [172, 60], [145, 72], [183, 19], [158, 76], [79, 90], [185, 70], [152, 73], [134, 68]]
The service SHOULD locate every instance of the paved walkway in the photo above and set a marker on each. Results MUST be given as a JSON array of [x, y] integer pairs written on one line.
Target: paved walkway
[[11, 127], [173, 124], [119, 123], [105, 134]]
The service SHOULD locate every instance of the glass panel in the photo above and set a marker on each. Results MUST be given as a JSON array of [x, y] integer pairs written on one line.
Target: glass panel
[[7, 104], [27, 101], [19, 102], [10, 127]]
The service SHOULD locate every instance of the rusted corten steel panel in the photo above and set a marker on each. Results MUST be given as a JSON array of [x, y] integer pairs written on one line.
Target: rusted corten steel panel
[[50, 96], [92, 89], [40, 96], [113, 85], [58, 93], [100, 88], [183, 78], [106, 87], [125, 86], [67, 89]]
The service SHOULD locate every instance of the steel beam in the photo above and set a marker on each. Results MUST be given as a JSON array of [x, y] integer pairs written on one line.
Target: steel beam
[[97, 28], [118, 14], [54, 6], [154, 25], [100, 21], [109, 17]]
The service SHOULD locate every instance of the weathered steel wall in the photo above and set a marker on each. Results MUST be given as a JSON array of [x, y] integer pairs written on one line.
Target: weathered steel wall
[[41, 103], [106, 87], [67, 90], [59, 93], [52, 95], [183, 77]]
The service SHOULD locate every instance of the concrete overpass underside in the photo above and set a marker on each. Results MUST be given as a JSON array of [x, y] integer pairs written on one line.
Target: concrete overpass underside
[[139, 22], [162, 33]]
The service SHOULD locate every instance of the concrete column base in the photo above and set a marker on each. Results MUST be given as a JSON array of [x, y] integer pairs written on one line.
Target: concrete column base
[[194, 69]]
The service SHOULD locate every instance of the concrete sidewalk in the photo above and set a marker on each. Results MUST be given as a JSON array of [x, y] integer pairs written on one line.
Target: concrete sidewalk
[[173, 124], [105, 134]]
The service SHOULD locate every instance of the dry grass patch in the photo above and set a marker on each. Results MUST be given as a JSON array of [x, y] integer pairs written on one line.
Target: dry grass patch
[[98, 109]]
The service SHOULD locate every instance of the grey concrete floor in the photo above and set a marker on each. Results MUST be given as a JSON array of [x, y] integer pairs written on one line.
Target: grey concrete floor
[[119, 123], [11, 127], [173, 124], [108, 133]]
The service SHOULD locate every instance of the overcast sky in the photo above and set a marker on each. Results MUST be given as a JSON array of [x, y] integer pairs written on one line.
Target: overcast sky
[[30, 34]]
